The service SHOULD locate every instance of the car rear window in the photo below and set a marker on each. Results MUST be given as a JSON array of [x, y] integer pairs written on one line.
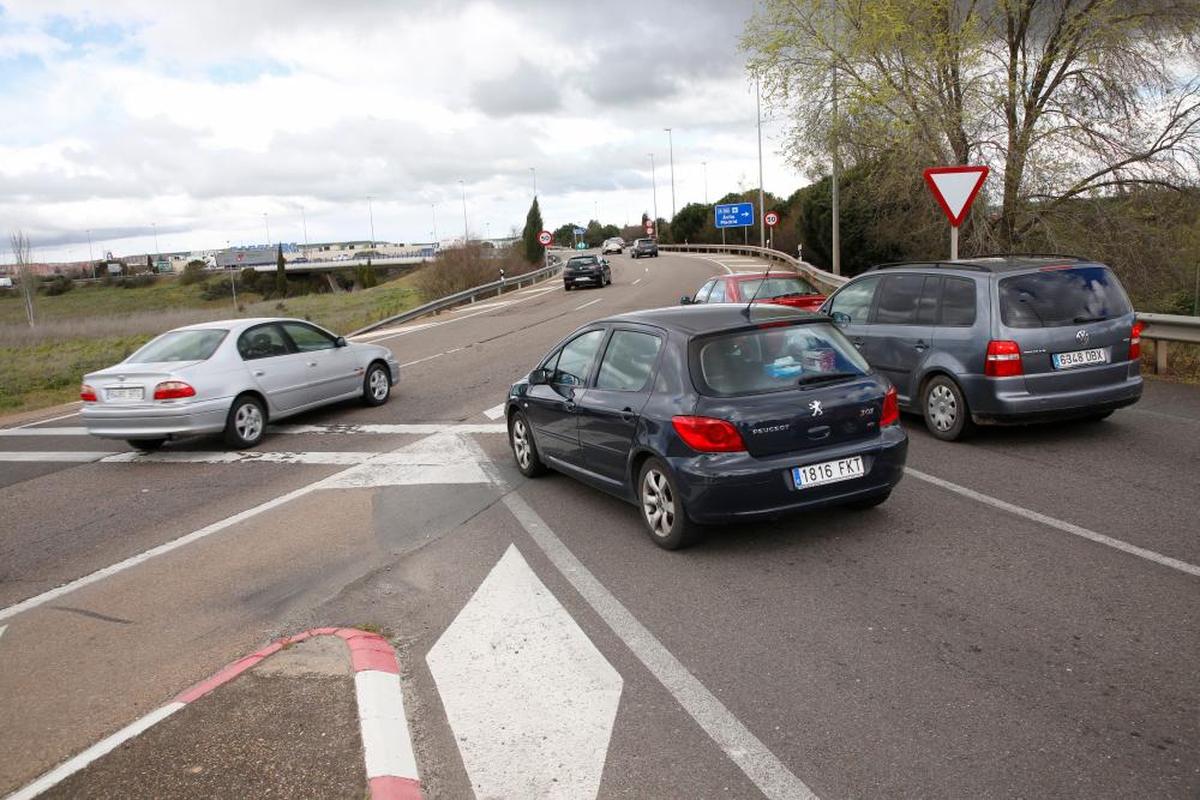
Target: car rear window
[[776, 287], [773, 358], [196, 345], [1055, 297]]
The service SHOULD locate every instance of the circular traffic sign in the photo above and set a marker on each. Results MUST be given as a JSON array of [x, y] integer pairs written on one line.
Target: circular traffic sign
[[545, 238], [772, 219]]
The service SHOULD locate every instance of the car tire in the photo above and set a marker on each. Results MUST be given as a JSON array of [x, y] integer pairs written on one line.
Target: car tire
[[945, 409], [377, 385], [662, 508], [524, 450], [145, 445], [869, 502], [566, 286], [246, 423]]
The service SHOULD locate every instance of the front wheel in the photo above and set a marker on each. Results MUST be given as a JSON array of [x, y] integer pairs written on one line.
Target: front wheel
[[246, 423], [520, 439], [662, 508], [377, 385], [566, 286], [946, 414]]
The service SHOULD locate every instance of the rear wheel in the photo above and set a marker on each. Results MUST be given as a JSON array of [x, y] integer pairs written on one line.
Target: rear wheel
[[377, 385], [946, 414], [246, 423], [520, 438], [566, 286], [145, 445], [662, 508]]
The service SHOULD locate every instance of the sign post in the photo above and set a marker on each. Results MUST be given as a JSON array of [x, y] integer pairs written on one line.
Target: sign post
[[734, 215], [544, 239], [955, 189]]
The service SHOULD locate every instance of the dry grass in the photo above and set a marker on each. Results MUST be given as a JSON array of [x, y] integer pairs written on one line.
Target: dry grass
[[463, 268], [1183, 361]]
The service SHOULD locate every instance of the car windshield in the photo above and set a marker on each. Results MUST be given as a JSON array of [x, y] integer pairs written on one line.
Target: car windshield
[[1056, 297], [775, 287], [582, 261], [195, 345], [774, 358]]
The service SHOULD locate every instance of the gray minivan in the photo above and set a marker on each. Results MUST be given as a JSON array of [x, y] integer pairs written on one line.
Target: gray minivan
[[996, 339]]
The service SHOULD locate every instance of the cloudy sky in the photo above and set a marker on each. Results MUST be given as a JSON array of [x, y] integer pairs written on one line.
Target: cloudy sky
[[193, 119]]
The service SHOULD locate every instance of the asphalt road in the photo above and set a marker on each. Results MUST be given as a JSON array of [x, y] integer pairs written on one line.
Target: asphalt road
[[1018, 620]]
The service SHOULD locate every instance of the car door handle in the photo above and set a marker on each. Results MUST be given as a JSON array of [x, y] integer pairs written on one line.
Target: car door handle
[[859, 342], [628, 415], [312, 363], [920, 345], [258, 373]]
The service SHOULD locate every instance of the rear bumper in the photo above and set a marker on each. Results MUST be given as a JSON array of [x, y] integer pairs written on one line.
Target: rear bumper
[[146, 422], [722, 488], [589, 278], [990, 403]]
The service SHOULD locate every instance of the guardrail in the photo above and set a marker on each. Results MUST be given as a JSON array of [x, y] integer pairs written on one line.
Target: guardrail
[[465, 296], [1159, 328], [826, 280]]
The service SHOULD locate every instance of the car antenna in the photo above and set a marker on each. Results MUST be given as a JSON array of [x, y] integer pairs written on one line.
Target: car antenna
[[754, 297]]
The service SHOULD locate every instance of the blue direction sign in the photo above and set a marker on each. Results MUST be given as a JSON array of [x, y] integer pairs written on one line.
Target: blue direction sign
[[580, 231], [735, 215]]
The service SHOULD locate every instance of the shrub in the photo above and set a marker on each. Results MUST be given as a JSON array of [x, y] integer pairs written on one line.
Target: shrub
[[217, 288], [192, 273], [136, 281], [56, 285], [249, 279]]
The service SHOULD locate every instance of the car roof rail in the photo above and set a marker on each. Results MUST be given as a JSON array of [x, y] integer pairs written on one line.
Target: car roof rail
[[935, 264], [1066, 256]]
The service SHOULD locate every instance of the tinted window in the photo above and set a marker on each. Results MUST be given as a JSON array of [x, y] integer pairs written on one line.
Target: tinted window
[[628, 361], [702, 295], [576, 359], [582, 261], [855, 299], [307, 338], [264, 341], [958, 302], [775, 287], [718, 293], [1055, 297], [179, 346], [769, 359], [928, 304], [899, 296]]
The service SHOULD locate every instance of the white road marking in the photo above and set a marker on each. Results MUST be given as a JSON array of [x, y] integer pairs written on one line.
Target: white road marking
[[423, 429], [100, 748], [53, 431], [47, 419], [589, 303], [481, 306], [635, 283], [404, 331], [380, 717], [769, 774], [1066, 527], [421, 360], [81, 457], [431, 460], [496, 411], [538, 290], [529, 697]]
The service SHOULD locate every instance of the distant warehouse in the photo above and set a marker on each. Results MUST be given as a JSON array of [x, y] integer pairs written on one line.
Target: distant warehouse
[[258, 256]]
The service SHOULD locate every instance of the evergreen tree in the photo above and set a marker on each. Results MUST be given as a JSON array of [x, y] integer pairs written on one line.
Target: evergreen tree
[[280, 273], [533, 226]]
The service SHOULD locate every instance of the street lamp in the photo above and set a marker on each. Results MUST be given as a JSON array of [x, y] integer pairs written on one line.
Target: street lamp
[[154, 225], [705, 165], [654, 188], [304, 222], [267, 225], [762, 228], [533, 173], [371, 215], [466, 234], [91, 257], [433, 208], [671, 149]]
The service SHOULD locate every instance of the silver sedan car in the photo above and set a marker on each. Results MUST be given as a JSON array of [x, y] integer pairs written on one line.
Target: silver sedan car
[[231, 377]]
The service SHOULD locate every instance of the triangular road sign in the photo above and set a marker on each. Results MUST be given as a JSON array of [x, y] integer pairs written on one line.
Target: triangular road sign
[[955, 189]]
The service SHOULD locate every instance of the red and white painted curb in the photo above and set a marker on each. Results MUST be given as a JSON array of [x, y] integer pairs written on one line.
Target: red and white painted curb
[[387, 745]]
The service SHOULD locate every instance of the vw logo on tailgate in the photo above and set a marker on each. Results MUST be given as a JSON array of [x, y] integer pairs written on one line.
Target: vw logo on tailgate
[[1081, 336]]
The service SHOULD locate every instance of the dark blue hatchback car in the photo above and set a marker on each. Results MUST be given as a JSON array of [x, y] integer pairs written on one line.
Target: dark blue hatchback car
[[711, 414]]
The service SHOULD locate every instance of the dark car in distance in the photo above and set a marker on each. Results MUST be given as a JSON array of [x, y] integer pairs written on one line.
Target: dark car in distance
[[644, 247], [586, 271], [996, 339], [711, 414]]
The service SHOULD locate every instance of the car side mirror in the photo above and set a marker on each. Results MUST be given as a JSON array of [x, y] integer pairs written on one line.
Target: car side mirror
[[340, 341], [841, 318], [685, 301], [539, 377]]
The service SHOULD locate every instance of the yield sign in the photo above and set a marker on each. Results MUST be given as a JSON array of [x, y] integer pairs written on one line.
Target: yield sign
[[955, 189]]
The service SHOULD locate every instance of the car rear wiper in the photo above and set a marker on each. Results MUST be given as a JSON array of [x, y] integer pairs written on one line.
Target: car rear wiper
[[1085, 320], [825, 377]]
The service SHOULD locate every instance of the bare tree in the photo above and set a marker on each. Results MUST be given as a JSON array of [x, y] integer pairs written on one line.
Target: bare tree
[[1063, 98], [26, 277]]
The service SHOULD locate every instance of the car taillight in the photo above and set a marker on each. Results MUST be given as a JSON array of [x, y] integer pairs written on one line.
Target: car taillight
[[891, 408], [1135, 341], [708, 435], [173, 390], [87, 394], [1003, 359]]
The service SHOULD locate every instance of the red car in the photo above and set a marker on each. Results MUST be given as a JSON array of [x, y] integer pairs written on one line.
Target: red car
[[781, 288]]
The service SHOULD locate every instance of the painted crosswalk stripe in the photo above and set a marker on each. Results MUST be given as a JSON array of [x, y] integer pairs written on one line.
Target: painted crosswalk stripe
[[495, 412]]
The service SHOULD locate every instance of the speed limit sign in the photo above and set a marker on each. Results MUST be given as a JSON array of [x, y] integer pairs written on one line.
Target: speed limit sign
[[545, 238], [771, 218]]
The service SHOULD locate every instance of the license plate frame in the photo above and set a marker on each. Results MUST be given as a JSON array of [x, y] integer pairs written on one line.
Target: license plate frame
[[1073, 359], [826, 472], [125, 393]]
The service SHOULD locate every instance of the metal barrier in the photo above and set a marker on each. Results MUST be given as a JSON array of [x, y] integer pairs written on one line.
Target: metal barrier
[[826, 280], [465, 296], [1163, 328]]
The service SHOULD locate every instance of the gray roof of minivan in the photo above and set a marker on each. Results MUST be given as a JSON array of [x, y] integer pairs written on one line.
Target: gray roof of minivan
[[990, 263]]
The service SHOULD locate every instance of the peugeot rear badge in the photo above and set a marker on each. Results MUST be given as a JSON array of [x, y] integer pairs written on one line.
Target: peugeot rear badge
[[815, 408]]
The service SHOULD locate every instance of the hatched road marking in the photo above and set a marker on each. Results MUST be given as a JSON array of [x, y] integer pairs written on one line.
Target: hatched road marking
[[589, 303], [495, 412]]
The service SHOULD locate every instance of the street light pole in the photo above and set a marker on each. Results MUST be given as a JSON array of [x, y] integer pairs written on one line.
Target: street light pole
[[705, 165], [304, 222], [154, 225], [762, 227], [533, 173], [836, 239], [433, 208], [671, 153], [654, 188], [371, 215], [466, 233], [268, 227], [91, 257]]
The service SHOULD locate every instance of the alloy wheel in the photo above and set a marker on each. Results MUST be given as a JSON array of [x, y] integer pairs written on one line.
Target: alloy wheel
[[520, 444], [379, 385], [658, 504], [248, 422]]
